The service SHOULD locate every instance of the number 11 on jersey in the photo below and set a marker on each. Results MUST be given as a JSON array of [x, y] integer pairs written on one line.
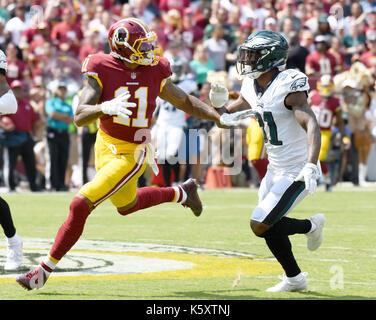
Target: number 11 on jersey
[[141, 94]]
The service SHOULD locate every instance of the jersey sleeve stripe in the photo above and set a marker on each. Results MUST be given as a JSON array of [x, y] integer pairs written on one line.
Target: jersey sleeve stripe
[[95, 76]]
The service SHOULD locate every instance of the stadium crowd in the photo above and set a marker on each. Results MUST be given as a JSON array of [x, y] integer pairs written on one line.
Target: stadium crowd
[[46, 43]]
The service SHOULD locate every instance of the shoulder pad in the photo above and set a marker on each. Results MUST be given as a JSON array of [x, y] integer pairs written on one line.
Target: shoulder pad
[[294, 80]]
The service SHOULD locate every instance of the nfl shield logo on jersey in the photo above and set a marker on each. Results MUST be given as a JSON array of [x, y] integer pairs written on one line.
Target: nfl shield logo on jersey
[[133, 75]]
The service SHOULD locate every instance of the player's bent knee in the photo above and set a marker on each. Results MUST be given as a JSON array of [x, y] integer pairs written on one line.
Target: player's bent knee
[[79, 210], [129, 208], [258, 228]]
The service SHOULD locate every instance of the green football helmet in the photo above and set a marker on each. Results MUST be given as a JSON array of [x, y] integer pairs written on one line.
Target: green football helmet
[[263, 51]]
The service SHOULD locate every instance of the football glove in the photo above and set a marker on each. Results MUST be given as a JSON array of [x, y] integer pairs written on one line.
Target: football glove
[[309, 174], [234, 119], [218, 95], [118, 106]]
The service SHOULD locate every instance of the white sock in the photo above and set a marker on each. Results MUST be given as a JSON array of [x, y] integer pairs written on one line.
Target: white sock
[[313, 226], [13, 240], [49, 265], [180, 194]]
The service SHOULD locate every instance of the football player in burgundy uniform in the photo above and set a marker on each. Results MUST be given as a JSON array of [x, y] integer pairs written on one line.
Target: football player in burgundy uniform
[[327, 108], [121, 92]]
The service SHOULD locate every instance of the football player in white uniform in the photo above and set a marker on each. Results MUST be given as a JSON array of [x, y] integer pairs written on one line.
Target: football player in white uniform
[[169, 129], [8, 105], [292, 138]]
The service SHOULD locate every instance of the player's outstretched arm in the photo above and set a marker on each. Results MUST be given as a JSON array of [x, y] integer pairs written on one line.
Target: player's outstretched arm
[[239, 104], [189, 103], [297, 101], [87, 110]]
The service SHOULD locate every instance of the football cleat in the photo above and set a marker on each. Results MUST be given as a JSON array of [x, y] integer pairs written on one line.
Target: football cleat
[[14, 255], [289, 285], [34, 279], [193, 200], [314, 238]]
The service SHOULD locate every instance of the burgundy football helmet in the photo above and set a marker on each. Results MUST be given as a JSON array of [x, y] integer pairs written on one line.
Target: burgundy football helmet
[[132, 40]]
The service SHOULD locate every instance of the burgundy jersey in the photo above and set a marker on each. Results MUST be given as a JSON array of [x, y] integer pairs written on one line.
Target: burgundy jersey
[[324, 109], [143, 83]]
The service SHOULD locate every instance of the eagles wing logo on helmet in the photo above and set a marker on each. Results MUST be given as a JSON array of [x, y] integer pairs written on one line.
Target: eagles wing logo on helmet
[[298, 83]]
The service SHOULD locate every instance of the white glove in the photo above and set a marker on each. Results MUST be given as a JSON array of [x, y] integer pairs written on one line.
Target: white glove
[[234, 119], [218, 95], [309, 174], [118, 106]]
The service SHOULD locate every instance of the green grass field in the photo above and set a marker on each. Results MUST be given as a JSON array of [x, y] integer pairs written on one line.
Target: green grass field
[[217, 249]]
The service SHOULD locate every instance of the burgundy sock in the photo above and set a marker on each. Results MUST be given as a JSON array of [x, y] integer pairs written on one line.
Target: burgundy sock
[[71, 230], [151, 196]]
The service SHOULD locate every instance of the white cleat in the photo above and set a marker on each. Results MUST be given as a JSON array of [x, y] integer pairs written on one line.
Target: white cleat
[[34, 279], [314, 238], [290, 285], [14, 255]]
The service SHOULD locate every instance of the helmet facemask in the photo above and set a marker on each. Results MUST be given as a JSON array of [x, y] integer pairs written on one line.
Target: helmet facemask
[[248, 62], [143, 52]]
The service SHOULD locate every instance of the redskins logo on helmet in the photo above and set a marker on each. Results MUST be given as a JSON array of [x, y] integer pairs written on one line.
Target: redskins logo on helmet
[[325, 85], [131, 40]]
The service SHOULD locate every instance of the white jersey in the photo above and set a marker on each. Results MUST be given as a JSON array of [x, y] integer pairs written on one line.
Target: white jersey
[[285, 139], [169, 115]]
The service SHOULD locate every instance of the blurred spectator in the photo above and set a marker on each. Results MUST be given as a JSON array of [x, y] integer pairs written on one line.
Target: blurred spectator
[[91, 44], [37, 101], [307, 40], [170, 125], [297, 54], [320, 61], [17, 25], [3, 36], [103, 25], [87, 136], [356, 103], [143, 10], [59, 116], [369, 57], [270, 24], [157, 26], [217, 48], [201, 64], [234, 16], [253, 14], [166, 5], [354, 42], [324, 28], [17, 68], [67, 35], [289, 13], [337, 51], [202, 16], [371, 23], [232, 53], [20, 126], [191, 33], [221, 18], [357, 16], [313, 22], [173, 25], [177, 50], [287, 27]]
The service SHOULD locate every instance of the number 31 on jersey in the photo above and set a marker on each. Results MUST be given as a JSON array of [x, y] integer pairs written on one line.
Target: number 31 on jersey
[[141, 121]]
